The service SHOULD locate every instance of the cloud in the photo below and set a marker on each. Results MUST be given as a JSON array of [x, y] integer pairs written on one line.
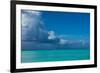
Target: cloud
[[51, 35], [31, 12], [30, 18], [32, 24], [63, 41]]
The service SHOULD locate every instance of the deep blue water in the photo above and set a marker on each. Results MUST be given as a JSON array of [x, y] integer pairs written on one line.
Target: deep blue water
[[54, 55]]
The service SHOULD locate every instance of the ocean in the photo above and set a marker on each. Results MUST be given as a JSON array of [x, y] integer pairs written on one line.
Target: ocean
[[28, 56]]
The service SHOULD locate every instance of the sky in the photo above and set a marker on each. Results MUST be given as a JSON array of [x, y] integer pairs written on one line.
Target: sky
[[75, 25], [66, 25], [54, 29]]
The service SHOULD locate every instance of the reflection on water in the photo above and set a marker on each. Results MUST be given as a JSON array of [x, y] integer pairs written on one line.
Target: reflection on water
[[54, 55]]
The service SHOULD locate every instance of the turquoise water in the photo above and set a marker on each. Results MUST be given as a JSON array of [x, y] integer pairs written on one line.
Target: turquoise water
[[54, 55]]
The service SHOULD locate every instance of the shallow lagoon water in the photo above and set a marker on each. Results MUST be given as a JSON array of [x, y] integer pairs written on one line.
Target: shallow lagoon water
[[28, 56]]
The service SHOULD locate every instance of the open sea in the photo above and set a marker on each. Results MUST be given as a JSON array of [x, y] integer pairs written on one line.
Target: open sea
[[28, 56]]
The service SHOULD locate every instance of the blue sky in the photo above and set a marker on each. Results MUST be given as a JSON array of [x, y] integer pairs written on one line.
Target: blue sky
[[52, 28], [67, 25], [76, 25]]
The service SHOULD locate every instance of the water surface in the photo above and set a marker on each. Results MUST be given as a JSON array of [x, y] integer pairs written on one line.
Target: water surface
[[28, 56]]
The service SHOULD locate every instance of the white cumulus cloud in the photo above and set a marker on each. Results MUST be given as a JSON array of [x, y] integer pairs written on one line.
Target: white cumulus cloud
[[31, 23], [51, 35], [30, 18]]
